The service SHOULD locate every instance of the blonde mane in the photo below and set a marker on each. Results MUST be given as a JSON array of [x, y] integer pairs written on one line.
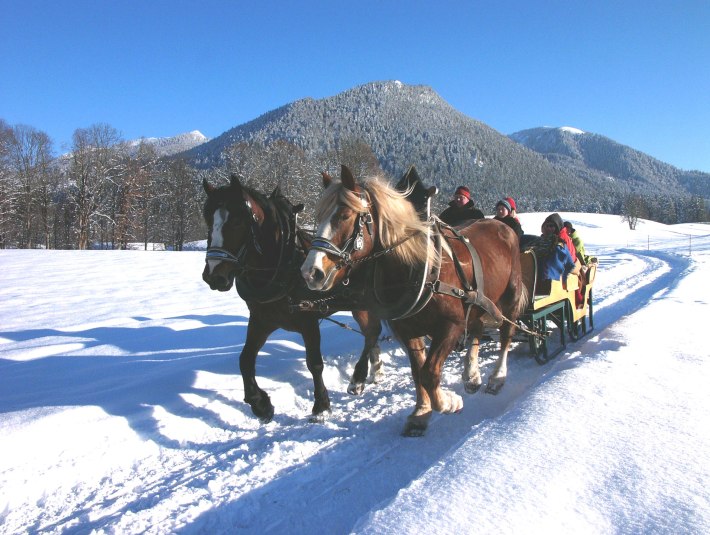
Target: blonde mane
[[397, 218]]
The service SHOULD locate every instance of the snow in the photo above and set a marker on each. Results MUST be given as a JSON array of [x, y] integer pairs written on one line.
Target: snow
[[571, 130], [121, 409]]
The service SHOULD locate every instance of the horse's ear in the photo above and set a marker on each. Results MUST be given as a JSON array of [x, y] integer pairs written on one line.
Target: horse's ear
[[327, 179], [209, 188], [276, 192], [347, 178], [412, 174], [235, 183], [298, 208]]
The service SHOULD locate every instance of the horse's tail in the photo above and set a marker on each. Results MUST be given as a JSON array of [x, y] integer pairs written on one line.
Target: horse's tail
[[519, 287], [523, 302]]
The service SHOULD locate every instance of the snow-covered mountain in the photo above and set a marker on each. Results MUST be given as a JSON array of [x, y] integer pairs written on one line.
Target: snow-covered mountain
[[411, 124], [590, 154], [167, 146], [545, 169]]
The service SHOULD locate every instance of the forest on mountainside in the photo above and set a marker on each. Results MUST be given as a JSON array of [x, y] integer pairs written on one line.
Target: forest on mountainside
[[107, 192]]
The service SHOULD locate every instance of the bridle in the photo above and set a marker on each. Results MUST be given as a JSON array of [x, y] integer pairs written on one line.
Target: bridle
[[282, 272], [356, 241], [224, 255]]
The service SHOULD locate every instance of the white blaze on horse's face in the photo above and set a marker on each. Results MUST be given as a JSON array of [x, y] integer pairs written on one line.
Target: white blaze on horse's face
[[220, 218], [313, 270]]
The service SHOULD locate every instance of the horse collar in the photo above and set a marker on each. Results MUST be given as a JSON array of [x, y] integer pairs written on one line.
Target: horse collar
[[251, 210], [254, 227]]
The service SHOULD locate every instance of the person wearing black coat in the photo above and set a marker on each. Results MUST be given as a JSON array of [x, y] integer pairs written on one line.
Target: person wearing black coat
[[503, 214], [461, 209]]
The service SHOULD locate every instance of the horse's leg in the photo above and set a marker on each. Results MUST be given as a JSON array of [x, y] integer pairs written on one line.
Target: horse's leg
[[371, 329], [500, 372], [471, 372], [430, 375], [253, 395], [314, 361], [417, 421]]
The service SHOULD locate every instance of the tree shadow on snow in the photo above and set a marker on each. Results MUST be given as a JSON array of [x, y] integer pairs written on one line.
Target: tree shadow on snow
[[154, 368]]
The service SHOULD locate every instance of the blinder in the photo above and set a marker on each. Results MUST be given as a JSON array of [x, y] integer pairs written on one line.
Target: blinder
[[218, 253], [356, 242]]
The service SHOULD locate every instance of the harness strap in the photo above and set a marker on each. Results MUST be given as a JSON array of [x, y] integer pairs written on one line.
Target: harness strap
[[475, 261], [471, 298], [472, 293], [217, 253]]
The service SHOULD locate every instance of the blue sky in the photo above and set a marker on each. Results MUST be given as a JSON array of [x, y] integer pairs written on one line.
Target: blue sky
[[635, 71]]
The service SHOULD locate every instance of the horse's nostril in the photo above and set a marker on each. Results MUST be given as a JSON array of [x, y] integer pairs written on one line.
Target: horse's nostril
[[215, 282], [318, 275]]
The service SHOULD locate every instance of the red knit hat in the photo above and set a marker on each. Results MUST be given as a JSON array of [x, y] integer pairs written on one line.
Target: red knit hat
[[463, 190], [511, 202]]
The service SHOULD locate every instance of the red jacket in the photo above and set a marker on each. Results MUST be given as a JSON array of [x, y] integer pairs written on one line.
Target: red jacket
[[568, 242]]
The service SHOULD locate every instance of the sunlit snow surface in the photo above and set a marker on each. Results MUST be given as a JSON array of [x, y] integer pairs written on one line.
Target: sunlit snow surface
[[121, 409]]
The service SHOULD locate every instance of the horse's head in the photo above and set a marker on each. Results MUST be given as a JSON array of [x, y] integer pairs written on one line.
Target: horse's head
[[417, 193], [344, 232], [230, 213]]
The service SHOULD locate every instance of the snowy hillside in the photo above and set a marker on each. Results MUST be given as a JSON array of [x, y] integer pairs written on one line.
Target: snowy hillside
[[121, 409], [167, 146]]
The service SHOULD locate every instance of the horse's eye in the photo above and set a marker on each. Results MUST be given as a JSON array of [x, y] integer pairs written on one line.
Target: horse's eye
[[345, 214]]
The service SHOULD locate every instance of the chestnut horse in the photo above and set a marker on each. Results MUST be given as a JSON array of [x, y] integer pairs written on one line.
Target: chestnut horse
[[253, 242], [472, 277]]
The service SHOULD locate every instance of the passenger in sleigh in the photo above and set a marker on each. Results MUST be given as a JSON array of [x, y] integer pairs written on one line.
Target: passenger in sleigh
[[461, 208], [583, 259], [555, 260], [504, 214], [578, 243]]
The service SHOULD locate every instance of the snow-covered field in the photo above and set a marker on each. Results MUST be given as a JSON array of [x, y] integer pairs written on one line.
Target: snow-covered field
[[121, 409]]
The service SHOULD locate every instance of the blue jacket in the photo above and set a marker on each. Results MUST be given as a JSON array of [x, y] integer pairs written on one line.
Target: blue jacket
[[557, 264]]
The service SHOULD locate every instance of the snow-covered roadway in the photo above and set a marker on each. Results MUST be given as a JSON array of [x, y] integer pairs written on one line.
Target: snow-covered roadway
[[121, 409]]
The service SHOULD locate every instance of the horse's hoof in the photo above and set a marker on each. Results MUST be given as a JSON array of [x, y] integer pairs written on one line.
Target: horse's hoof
[[416, 424], [265, 417], [448, 403], [356, 388], [412, 429], [319, 418], [471, 387], [377, 376], [320, 408], [494, 387], [265, 412], [455, 404]]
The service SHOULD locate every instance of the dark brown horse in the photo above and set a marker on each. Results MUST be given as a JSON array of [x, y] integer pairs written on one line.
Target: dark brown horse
[[470, 277], [254, 243]]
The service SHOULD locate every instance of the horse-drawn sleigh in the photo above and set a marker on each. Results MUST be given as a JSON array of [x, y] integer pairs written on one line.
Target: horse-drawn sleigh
[[376, 255], [556, 306]]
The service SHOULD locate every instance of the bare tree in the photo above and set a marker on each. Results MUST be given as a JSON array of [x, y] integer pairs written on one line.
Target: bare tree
[[94, 161], [633, 208], [131, 189], [142, 177], [358, 156], [180, 205], [8, 188], [30, 157]]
